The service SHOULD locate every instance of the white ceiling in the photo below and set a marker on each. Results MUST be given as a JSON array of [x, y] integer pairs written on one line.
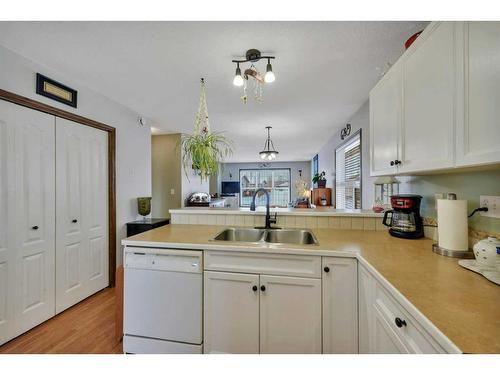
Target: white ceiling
[[324, 71]]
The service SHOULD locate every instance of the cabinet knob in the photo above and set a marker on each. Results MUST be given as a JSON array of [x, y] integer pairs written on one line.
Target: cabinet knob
[[326, 269], [254, 288], [35, 227], [397, 162], [74, 221], [400, 322], [392, 163], [263, 288]]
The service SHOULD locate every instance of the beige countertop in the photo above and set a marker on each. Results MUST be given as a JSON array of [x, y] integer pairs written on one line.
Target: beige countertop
[[462, 304], [318, 211]]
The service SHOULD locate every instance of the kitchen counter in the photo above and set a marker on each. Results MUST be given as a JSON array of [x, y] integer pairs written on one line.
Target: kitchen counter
[[318, 211], [460, 303]]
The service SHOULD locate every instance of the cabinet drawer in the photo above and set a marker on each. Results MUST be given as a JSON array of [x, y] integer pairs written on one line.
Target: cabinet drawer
[[269, 264], [413, 335]]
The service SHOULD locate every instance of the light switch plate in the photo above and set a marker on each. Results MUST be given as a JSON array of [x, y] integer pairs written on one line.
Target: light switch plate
[[493, 204], [172, 191]]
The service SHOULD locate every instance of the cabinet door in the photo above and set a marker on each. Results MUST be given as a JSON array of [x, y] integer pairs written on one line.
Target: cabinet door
[[385, 340], [478, 138], [231, 313], [82, 212], [290, 315], [385, 119], [430, 74], [27, 218], [340, 305], [365, 305]]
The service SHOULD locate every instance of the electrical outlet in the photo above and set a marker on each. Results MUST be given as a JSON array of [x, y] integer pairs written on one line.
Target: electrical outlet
[[493, 204]]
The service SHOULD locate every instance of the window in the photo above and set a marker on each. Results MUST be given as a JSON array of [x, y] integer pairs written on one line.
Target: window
[[348, 173], [315, 165], [275, 181]]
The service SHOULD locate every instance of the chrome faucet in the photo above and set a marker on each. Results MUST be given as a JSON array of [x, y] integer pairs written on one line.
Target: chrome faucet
[[269, 221]]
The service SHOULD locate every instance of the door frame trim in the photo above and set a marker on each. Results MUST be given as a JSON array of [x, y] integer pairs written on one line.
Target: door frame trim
[[41, 107]]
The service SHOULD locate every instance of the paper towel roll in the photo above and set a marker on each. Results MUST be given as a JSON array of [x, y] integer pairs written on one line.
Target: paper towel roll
[[453, 230]]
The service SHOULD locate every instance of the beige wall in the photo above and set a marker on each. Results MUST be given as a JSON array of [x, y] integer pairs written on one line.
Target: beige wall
[[166, 174]]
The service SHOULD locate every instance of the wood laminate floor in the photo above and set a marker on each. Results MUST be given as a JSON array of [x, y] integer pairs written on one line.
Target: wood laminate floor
[[88, 327]]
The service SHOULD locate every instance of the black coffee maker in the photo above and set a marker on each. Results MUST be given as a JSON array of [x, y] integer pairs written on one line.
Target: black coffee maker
[[405, 219]]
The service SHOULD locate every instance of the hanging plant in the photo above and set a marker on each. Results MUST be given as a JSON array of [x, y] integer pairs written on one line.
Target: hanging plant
[[203, 151]]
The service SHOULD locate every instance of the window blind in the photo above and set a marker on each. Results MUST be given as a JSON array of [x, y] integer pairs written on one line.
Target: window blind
[[348, 174]]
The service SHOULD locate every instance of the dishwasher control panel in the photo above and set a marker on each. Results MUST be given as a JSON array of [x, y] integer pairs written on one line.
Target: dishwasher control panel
[[167, 260]]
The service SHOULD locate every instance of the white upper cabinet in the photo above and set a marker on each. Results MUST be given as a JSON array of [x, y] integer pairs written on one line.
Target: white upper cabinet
[[428, 120], [385, 118], [448, 102], [478, 136]]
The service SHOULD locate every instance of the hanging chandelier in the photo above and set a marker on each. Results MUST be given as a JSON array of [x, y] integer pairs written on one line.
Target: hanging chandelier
[[241, 80], [269, 151]]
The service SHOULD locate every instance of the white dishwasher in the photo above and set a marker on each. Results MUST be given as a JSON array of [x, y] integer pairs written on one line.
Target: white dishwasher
[[163, 301]]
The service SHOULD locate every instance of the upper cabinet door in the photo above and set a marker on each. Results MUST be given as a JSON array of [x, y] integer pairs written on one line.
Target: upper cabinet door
[[430, 72], [27, 219], [385, 119], [478, 137], [290, 315], [231, 313]]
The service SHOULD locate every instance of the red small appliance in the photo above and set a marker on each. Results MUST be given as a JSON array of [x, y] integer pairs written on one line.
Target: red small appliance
[[404, 219]]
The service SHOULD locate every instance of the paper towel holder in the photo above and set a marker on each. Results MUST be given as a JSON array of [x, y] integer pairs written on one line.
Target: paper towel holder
[[461, 254], [466, 254]]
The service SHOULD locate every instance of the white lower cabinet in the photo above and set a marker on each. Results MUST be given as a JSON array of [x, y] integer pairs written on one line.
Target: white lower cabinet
[[249, 313], [385, 326], [290, 315], [340, 305], [231, 317], [261, 313], [385, 340], [346, 307]]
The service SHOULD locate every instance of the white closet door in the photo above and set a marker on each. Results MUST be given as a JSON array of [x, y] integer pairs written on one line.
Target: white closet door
[[82, 212], [27, 219]]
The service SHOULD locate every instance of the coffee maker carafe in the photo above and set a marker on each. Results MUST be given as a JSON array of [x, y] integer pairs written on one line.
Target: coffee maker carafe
[[404, 218]]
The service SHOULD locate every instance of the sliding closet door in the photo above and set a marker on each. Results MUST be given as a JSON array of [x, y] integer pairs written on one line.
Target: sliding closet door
[[81, 212], [27, 219]]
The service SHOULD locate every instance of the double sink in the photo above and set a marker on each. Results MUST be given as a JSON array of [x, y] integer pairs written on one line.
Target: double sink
[[273, 235]]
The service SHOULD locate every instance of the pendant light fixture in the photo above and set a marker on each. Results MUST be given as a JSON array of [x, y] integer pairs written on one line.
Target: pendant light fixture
[[269, 152]]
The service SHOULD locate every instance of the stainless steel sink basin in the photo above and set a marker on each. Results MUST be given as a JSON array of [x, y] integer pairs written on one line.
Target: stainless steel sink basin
[[291, 236], [275, 236], [240, 234]]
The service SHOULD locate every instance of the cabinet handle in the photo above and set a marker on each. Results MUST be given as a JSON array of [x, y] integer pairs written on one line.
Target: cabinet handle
[[74, 221], [392, 163], [263, 288], [400, 322], [397, 162], [35, 227], [254, 288], [326, 269]]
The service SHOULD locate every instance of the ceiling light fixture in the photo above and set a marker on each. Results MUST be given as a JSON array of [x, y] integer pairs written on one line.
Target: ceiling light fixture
[[269, 152], [238, 79], [252, 56], [269, 77]]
